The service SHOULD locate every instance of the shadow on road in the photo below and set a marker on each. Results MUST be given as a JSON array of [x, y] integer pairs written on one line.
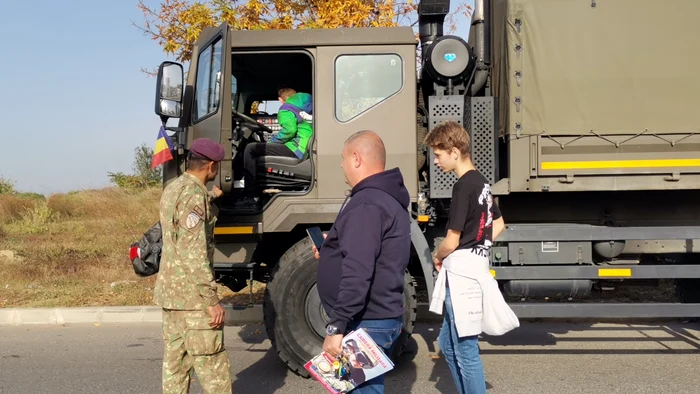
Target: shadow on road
[[440, 374], [405, 371], [590, 338], [265, 376], [532, 337], [269, 366], [249, 380]]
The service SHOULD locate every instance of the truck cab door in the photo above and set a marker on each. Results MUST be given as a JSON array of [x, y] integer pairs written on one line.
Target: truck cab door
[[210, 74], [365, 87]]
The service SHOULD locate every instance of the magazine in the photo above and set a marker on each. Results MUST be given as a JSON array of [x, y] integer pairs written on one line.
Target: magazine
[[360, 361]]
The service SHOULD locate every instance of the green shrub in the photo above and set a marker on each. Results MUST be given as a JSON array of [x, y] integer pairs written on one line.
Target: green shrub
[[6, 186]]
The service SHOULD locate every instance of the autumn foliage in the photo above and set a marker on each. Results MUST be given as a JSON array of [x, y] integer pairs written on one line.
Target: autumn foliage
[[176, 24]]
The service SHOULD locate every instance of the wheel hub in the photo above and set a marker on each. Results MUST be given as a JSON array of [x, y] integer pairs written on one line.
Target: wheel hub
[[315, 315]]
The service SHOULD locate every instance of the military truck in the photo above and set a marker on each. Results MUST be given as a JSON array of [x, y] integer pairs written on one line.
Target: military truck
[[582, 114]]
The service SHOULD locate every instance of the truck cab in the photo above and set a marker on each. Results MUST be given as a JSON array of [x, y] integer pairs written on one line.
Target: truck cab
[[358, 79]]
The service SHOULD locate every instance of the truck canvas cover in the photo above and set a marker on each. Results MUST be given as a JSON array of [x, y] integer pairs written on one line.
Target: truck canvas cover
[[579, 67]]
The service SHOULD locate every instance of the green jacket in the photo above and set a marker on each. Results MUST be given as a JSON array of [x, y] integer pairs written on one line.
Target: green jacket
[[295, 132]]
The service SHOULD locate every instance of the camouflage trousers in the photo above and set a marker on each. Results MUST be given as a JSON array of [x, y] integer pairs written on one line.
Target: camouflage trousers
[[191, 343]]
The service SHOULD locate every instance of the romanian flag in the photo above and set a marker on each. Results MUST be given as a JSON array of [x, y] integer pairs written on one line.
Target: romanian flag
[[163, 147]]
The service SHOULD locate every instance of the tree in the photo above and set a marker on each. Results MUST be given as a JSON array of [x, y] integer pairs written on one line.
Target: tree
[[177, 23], [143, 154], [143, 175]]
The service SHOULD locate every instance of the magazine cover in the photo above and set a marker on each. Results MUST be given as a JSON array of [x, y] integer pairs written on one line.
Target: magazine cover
[[360, 361]]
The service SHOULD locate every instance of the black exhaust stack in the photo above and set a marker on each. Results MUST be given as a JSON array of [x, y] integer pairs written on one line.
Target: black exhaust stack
[[431, 19]]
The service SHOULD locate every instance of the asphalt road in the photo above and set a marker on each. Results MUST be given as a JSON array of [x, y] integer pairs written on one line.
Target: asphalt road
[[538, 357]]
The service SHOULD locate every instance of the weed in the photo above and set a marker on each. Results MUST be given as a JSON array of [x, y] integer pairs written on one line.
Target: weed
[[72, 249], [6, 186], [36, 220]]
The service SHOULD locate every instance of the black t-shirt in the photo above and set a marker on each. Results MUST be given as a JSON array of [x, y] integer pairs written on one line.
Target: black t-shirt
[[472, 211]]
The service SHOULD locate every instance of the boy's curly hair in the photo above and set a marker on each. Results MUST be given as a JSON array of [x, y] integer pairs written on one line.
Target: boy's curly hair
[[448, 135]]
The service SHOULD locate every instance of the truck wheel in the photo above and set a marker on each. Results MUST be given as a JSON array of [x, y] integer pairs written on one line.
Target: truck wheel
[[294, 318]]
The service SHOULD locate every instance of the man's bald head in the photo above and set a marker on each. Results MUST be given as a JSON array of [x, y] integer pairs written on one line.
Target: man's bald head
[[369, 145], [364, 155]]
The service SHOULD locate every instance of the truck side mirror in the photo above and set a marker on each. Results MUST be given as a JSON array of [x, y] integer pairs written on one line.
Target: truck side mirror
[[169, 89]]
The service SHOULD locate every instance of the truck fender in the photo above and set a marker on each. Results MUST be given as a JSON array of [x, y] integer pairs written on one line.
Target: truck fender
[[420, 244]]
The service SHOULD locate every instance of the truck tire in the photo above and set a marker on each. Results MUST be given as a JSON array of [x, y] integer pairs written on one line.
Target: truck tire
[[294, 318]]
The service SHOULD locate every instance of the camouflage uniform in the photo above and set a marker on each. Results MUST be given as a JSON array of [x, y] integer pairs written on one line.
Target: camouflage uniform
[[185, 288]]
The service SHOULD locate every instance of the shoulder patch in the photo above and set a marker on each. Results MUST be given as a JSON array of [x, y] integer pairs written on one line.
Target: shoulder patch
[[192, 220]]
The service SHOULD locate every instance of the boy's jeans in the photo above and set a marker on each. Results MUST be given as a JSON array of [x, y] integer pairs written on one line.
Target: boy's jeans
[[461, 354], [384, 332]]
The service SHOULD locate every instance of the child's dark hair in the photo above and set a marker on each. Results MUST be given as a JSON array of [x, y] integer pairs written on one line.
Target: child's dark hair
[[285, 91]]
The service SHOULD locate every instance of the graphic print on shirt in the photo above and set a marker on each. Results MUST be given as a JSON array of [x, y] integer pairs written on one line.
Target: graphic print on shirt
[[485, 197]]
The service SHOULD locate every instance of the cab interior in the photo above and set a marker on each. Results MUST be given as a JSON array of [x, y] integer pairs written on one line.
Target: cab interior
[[256, 79]]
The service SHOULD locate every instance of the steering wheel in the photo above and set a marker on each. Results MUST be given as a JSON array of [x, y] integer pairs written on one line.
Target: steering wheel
[[257, 126], [252, 124]]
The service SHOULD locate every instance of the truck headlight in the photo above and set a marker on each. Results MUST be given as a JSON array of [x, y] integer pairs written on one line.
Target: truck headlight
[[449, 58]]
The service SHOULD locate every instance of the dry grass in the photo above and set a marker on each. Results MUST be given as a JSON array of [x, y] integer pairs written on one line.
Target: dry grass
[[72, 249], [11, 207]]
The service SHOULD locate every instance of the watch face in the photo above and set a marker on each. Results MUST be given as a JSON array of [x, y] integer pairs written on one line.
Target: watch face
[[331, 330]]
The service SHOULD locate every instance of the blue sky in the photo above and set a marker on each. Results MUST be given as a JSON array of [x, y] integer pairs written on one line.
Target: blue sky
[[72, 76]]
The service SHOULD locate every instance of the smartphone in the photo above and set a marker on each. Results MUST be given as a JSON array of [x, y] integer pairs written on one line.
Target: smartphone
[[316, 236]]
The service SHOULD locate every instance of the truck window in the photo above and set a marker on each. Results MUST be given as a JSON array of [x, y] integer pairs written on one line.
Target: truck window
[[208, 77], [363, 81]]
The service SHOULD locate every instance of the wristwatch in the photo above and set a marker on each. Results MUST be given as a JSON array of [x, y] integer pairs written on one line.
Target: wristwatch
[[332, 330]]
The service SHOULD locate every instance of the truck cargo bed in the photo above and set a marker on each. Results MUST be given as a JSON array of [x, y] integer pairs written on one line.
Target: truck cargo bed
[[593, 95]]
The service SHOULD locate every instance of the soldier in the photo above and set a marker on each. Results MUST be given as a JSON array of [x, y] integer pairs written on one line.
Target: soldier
[[193, 318]]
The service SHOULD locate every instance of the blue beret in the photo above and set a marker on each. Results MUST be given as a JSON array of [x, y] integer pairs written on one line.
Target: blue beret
[[208, 149]]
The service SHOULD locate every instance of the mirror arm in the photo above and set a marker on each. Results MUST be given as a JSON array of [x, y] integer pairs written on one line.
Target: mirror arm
[[180, 138]]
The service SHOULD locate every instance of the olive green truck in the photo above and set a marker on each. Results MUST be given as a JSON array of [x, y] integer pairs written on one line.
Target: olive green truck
[[583, 114]]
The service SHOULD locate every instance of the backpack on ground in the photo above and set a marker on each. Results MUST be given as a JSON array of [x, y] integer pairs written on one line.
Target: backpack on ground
[[145, 254]]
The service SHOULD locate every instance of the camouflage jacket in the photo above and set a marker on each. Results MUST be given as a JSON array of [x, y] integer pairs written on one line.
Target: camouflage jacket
[[186, 276]]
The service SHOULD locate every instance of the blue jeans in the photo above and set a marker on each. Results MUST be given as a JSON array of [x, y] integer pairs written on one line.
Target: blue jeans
[[384, 332], [461, 354]]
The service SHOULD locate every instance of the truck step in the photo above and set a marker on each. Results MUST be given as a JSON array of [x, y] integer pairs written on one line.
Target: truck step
[[230, 267]]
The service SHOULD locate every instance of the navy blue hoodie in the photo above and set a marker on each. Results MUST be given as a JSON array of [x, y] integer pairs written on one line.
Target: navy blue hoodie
[[363, 259]]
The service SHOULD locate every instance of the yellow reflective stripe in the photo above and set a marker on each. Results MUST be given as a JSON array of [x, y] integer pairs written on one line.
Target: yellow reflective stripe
[[614, 272], [609, 164], [233, 230]]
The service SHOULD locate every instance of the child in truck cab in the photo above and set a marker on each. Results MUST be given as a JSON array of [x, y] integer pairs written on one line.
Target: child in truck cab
[[294, 117], [292, 140]]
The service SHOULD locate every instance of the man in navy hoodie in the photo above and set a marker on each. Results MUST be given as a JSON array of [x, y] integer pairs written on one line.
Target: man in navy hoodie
[[362, 261]]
